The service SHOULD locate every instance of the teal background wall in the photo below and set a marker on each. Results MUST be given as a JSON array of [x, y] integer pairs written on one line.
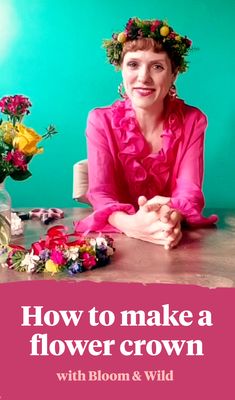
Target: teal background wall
[[51, 52]]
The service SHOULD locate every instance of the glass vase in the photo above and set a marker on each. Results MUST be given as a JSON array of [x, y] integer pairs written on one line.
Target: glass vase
[[5, 216]]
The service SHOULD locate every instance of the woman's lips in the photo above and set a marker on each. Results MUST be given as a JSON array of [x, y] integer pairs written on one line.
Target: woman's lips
[[144, 91]]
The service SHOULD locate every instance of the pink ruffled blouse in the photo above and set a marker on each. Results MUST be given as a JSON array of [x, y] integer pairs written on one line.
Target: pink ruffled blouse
[[122, 167]]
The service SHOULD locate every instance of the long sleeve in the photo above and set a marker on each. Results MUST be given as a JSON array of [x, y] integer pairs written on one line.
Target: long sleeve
[[103, 190], [187, 196]]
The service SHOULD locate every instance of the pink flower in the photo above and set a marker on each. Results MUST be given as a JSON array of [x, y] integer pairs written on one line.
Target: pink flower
[[155, 25], [172, 35], [15, 106], [88, 260], [129, 23], [57, 257], [17, 158], [188, 42]]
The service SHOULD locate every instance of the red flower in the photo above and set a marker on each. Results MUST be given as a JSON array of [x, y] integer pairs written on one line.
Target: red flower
[[15, 106], [17, 158], [88, 260], [129, 23], [188, 42], [155, 25], [38, 247], [172, 35]]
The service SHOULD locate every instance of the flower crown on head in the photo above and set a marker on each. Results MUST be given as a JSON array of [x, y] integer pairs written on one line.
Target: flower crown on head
[[178, 46]]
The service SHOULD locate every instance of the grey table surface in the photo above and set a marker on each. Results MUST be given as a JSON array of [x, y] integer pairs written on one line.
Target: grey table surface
[[205, 257]]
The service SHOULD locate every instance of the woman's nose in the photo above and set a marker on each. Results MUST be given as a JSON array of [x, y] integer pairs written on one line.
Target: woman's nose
[[144, 74]]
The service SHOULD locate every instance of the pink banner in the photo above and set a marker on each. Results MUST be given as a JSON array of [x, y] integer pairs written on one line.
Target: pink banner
[[68, 340]]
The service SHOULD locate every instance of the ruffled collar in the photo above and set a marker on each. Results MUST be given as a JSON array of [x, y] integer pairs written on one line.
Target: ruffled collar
[[124, 117], [140, 165]]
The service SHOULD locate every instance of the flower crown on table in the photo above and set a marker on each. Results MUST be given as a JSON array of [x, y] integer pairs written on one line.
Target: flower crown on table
[[160, 31], [58, 253], [18, 143]]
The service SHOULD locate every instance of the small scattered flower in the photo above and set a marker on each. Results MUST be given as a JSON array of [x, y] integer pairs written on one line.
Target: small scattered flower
[[88, 260], [17, 159], [51, 266], [57, 254], [57, 257], [164, 31], [45, 255], [155, 25], [29, 262], [75, 268], [71, 253], [101, 241], [4, 251], [121, 37]]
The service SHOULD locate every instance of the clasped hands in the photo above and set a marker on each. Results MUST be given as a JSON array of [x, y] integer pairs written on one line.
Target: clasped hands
[[156, 222]]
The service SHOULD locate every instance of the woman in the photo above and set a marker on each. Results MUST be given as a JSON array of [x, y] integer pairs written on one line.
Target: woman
[[145, 153]]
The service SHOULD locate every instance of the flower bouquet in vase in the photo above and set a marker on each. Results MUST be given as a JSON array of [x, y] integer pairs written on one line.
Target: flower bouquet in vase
[[18, 145]]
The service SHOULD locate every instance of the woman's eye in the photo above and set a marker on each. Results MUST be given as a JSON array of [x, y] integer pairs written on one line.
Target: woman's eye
[[158, 67], [132, 64]]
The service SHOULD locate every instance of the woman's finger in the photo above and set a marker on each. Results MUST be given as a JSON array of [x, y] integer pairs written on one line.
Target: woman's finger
[[175, 217], [159, 200], [165, 213], [171, 244], [142, 201], [152, 207]]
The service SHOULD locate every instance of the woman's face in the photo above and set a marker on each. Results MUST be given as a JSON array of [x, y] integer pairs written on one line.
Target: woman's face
[[147, 77]]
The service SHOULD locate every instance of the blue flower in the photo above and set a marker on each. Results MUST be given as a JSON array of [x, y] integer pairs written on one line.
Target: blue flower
[[74, 268]]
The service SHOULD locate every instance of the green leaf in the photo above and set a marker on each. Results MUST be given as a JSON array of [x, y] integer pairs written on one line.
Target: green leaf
[[16, 261], [20, 175], [2, 176]]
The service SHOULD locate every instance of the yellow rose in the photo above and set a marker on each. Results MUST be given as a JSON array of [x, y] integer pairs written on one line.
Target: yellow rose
[[9, 132], [26, 140], [50, 266], [121, 37], [178, 38], [164, 31]]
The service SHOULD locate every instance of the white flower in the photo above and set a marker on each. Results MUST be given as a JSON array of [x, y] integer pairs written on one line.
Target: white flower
[[101, 241], [29, 261], [16, 225], [72, 253], [92, 242]]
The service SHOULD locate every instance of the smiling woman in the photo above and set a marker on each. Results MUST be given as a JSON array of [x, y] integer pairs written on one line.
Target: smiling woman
[[147, 77], [145, 153]]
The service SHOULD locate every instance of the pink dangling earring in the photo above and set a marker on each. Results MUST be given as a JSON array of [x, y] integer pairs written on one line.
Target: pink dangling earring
[[121, 91], [173, 92]]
